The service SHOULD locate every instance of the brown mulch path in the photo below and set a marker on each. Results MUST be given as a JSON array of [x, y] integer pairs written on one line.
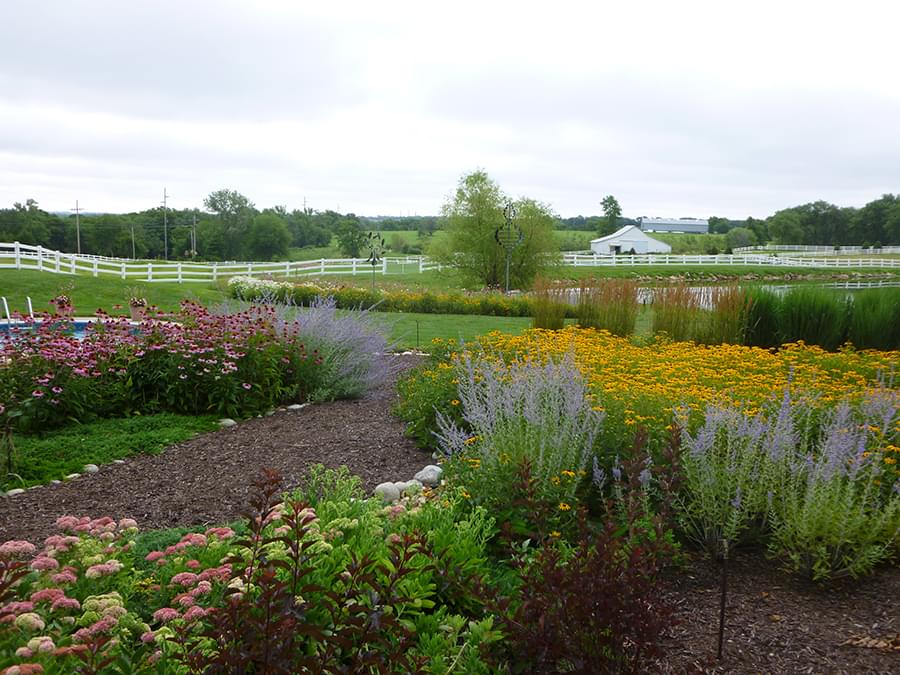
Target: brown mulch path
[[207, 479], [775, 622]]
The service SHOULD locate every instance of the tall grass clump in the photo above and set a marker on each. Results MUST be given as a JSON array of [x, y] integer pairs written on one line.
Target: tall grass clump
[[610, 304], [874, 321], [762, 318], [549, 305], [725, 322], [675, 310], [815, 315]]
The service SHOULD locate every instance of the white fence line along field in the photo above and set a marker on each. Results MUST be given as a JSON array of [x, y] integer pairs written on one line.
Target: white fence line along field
[[820, 250], [24, 257]]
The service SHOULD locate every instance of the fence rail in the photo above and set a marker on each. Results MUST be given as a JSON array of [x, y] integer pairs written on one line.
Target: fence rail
[[24, 257], [820, 250]]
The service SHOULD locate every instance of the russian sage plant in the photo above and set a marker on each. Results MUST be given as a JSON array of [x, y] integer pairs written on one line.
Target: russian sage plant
[[836, 510], [527, 412], [724, 484]]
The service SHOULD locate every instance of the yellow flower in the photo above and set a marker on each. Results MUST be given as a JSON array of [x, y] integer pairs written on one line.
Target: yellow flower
[[564, 507], [555, 533], [454, 401]]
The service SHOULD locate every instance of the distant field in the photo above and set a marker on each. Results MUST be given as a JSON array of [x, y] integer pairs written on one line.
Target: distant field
[[691, 243]]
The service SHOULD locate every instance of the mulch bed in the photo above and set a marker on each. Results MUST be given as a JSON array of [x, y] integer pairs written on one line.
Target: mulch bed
[[775, 622]]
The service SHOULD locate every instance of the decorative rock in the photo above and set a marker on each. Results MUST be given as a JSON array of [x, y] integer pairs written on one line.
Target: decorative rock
[[14, 492], [55, 482], [227, 422], [91, 468], [430, 475], [269, 413], [118, 461], [72, 475], [297, 406], [388, 492], [413, 487]]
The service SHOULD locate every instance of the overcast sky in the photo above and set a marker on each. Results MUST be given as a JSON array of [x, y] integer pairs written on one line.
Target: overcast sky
[[676, 108]]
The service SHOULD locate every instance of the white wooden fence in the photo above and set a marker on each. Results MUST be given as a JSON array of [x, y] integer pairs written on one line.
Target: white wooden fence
[[24, 257], [819, 250]]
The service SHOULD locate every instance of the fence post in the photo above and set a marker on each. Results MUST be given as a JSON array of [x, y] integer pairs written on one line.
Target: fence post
[[287, 268], [421, 264], [322, 266], [215, 271], [40, 259], [179, 272], [354, 266], [123, 270], [72, 264], [18, 255], [95, 267], [384, 266], [57, 262], [149, 271]]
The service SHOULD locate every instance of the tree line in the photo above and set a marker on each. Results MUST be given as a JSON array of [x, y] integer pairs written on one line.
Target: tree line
[[231, 227]]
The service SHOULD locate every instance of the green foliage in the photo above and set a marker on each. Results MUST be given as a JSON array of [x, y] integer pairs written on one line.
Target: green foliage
[[425, 393], [815, 315], [351, 237], [763, 312], [549, 305], [610, 304], [472, 218], [268, 237], [874, 321], [675, 311], [612, 211]]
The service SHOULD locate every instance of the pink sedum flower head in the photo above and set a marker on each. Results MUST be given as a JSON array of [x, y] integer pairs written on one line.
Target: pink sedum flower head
[[16, 548], [166, 614], [29, 621], [44, 563]]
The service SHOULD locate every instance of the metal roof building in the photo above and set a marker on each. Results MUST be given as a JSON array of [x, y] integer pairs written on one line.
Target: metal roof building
[[627, 239], [686, 225]]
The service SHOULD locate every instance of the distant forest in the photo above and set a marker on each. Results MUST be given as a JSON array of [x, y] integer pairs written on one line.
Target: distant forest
[[231, 227]]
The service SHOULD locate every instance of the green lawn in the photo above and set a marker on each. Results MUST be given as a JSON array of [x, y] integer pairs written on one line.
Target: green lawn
[[40, 459], [89, 293]]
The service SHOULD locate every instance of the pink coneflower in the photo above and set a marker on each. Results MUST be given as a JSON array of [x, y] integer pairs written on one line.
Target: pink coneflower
[[247, 386], [37, 393]]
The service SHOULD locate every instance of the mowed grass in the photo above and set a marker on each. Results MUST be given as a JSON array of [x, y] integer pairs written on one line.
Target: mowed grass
[[89, 293], [52, 456]]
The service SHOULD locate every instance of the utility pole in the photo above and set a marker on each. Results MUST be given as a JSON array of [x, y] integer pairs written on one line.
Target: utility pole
[[165, 225], [194, 236], [77, 211]]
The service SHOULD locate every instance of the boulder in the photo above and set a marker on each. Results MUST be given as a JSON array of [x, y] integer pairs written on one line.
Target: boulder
[[14, 492], [388, 492], [227, 422], [91, 468], [430, 475]]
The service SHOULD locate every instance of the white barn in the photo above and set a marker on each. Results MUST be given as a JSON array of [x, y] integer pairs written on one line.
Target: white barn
[[627, 239], [685, 225]]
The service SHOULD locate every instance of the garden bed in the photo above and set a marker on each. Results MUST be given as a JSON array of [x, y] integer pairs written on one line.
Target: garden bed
[[206, 480], [775, 622]]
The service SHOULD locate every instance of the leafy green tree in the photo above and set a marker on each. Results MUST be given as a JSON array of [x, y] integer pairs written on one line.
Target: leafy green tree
[[611, 210], [268, 237], [351, 237], [785, 227], [738, 237], [235, 213], [472, 217]]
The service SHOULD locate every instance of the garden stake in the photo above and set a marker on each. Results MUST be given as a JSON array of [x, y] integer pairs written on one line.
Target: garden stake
[[417, 335], [724, 594]]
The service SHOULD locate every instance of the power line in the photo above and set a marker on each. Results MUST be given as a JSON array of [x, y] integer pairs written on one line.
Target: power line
[[77, 211]]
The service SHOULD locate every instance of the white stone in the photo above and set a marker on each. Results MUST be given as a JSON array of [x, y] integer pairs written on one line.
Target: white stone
[[72, 475], [388, 492], [91, 468], [269, 413], [14, 492], [118, 461], [55, 482], [430, 475], [413, 487], [227, 422], [297, 406]]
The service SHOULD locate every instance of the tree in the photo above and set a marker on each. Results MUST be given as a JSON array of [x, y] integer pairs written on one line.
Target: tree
[[611, 210], [234, 213], [268, 237], [472, 217], [738, 237], [351, 237]]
